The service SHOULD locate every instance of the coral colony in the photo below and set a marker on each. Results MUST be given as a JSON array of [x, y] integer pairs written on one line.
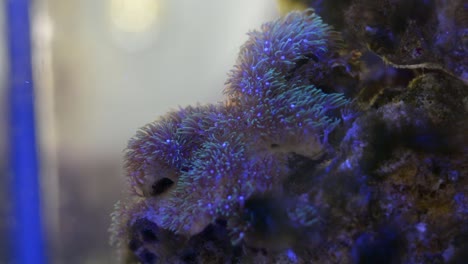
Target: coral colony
[[320, 153]]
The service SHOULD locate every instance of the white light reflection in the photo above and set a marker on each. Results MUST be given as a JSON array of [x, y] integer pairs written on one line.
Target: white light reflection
[[134, 23], [133, 15], [42, 38]]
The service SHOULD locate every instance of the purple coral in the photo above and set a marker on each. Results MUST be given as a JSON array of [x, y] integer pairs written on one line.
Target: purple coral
[[279, 109], [265, 62], [163, 149], [202, 163]]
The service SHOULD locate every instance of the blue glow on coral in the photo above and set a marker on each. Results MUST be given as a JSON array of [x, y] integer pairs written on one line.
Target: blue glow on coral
[[291, 255]]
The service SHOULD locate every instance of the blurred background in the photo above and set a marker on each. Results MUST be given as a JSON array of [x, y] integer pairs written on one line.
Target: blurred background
[[102, 69]]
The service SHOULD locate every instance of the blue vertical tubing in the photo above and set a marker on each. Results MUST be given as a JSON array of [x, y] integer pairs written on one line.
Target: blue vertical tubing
[[28, 241]]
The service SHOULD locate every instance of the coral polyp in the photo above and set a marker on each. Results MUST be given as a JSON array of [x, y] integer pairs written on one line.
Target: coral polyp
[[268, 59], [267, 84]]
